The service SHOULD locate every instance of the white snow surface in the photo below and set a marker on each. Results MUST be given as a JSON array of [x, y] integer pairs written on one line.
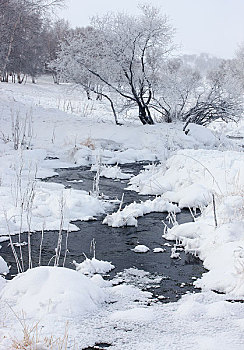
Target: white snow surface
[[193, 167], [198, 321]]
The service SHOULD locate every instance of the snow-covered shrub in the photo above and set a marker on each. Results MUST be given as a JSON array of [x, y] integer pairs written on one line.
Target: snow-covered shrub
[[22, 129]]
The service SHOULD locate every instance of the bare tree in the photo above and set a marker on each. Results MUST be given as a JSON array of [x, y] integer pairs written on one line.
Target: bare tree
[[178, 86], [14, 17], [121, 53], [221, 99]]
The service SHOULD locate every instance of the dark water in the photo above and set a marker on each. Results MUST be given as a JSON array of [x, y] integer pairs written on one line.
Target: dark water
[[115, 244]]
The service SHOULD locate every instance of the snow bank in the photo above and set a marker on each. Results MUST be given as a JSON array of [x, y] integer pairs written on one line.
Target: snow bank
[[24, 196], [93, 266], [221, 248], [2, 283], [54, 290], [190, 176], [51, 202], [193, 196], [127, 216], [202, 135]]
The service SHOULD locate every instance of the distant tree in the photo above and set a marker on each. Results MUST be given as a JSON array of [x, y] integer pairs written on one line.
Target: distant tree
[[237, 65], [53, 35], [203, 62]]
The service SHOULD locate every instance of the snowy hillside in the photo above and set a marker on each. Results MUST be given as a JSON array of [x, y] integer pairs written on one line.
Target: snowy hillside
[[44, 127]]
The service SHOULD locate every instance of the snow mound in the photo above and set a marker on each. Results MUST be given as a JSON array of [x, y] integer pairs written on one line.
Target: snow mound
[[127, 216], [57, 290], [93, 266], [140, 249], [202, 134], [193, 196]]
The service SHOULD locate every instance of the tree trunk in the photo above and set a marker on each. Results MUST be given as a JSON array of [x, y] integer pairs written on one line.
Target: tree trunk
[[144, 115], [55, 78], [20, 79]]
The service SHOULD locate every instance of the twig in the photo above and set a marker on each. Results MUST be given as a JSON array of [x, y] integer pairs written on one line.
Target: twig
[[214, 210]]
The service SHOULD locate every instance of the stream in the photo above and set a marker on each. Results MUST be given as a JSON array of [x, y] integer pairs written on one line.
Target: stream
[[115, 244]]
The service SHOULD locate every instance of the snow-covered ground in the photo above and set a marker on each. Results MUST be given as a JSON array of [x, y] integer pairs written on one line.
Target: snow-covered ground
[[201, 170]]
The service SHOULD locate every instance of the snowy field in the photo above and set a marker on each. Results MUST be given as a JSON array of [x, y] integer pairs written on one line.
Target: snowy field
[[55, 126]]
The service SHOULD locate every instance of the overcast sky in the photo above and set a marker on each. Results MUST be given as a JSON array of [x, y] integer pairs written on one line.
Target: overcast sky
[[214, 26]]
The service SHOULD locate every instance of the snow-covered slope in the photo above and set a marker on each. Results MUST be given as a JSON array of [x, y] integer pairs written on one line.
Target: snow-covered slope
[[56, 121]]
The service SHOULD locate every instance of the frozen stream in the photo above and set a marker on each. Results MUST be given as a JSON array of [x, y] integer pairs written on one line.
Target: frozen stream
[[115, 244]]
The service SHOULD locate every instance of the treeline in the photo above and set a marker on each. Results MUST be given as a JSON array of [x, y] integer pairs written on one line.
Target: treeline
[[28, 38]]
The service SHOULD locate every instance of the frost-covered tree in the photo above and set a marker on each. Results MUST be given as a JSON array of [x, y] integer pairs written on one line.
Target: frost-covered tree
[[221, 98], [237, 65], [53, 35], [120, 54], [178, 86], [203, 62], [21, 22]]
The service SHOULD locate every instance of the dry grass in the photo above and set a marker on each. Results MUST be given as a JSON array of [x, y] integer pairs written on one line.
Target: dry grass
[[88, 143], [32, 340]]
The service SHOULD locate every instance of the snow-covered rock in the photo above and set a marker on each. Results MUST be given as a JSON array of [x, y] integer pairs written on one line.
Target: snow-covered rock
[[111, 172], [93, 266], [141, 249], [158, 250]]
